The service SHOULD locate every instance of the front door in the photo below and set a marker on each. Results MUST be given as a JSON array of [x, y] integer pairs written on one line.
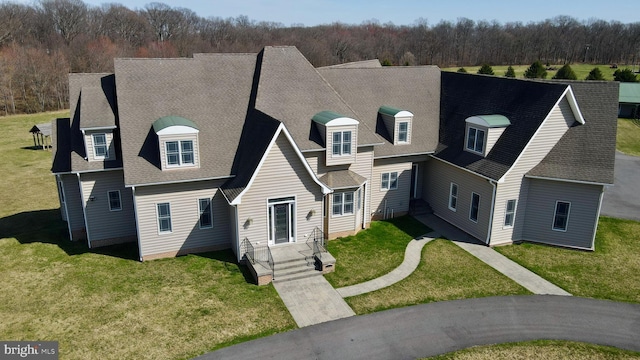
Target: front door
[[281, 220]]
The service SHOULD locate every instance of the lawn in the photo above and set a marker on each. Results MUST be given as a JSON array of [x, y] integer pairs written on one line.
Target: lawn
[[446, 272], [103, 303], [611, 272], [581, 70], [628, 139], [541, 349], [373, 252]]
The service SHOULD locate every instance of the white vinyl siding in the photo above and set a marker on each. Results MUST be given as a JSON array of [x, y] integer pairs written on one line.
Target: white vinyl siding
[[185, 217], [509, 213], [396, 201], [115, 201], [561, 217], [453, 197], [515, 186], [164, 217], [206, 214], [474, 207]]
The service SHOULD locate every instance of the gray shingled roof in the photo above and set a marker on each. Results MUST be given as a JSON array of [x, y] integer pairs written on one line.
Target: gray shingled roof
[[342, 179], [291, 90], [415, 89], [212, 91], [587, 152], [525, 103], [375, 63], [95, 109]]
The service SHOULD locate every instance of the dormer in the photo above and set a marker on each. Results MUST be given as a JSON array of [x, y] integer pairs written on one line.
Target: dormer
[[178, 142], [97, 123], [398, 124], [340, 135], [482, 132]]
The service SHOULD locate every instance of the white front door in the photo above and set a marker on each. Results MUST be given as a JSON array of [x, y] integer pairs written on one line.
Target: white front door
[[281, 220]]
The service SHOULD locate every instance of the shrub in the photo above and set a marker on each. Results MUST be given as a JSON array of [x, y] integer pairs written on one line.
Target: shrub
[[486, 70], [510, 72], [595, 74], [625, 75], [462, 70], [536, 71], [566, 73]]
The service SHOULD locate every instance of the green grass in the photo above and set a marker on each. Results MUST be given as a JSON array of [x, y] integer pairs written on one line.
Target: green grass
[[540, 349], [611, 272], [373, 252], [628, 139], [103, 303], [446, 272], [581, 70]]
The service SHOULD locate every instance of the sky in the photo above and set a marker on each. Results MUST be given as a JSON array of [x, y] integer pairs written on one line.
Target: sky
[[399, 12]]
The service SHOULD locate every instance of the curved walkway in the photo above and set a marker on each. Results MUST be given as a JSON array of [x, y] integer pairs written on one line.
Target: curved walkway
[[441, 327], [412, 256]]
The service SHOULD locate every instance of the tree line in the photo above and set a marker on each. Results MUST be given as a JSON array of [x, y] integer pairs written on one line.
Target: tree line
[[41, 43]]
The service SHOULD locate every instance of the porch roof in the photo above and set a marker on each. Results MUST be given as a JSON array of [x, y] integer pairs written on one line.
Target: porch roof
[[342, 179]]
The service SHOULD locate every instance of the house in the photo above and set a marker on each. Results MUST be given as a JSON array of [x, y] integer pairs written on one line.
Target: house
[[247, 150], [629, 100]]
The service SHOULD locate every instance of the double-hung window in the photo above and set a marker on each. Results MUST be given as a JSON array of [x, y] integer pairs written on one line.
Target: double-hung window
[[475, 140], [179, 153], [343, 203], [389, 181], [100, 148], [453, 196], [164, 217], [342, 143], [115, 202], [403, 129], [475, 205], [561, 216], [510, 213], [206, 215]]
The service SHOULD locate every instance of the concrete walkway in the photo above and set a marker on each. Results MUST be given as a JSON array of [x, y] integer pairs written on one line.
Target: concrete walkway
[[412, 256], [509, 268], [312, 301]]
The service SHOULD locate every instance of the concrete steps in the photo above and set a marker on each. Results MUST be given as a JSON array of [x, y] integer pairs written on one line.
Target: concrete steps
[[292, 269]]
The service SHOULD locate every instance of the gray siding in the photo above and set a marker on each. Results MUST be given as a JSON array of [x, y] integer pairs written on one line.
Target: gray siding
[[186, 233], [549, 133], [396, 200], [89, 143], [438, 178], [73, 201], [103, 223], [583, 214], [282, 175]]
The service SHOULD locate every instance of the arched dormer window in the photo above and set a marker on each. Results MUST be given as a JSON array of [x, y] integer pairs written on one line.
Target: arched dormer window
[[398, 124], [340, 135], [482, 132], [178, 141]]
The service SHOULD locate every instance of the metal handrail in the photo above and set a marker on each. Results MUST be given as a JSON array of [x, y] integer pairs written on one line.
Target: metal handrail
[[258, 253], [318, 242]]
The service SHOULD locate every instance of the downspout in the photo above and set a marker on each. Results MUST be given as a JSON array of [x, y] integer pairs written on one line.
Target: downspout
[[66, 208], [238, 255], [84, 211], [135, 211], [595, 226], [493, 206]]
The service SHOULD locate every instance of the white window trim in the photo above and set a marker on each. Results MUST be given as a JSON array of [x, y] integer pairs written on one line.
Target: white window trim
[[506, 212], [471, 208], [388, 187], [200, 212], [180, 163], [451, 196], [475, 143], [333, 143], [406, 132], [555, 212], [160, 232], [342, 204], [106, 145], [119, 200]]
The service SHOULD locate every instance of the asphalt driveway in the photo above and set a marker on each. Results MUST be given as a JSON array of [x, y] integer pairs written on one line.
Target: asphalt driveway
[[441, 327], [623, 199]]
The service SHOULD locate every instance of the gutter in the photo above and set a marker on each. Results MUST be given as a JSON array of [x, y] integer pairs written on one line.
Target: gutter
[[181, 181], [135, 211], [84, 211], [566, 180], [595, 225], [66, 209], [493, 206]]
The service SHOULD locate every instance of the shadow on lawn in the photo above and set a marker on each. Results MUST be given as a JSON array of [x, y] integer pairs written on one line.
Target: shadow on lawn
[[228, 258], [46, 226]]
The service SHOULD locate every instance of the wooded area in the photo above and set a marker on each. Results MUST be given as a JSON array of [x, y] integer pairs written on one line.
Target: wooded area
[[41, 43]]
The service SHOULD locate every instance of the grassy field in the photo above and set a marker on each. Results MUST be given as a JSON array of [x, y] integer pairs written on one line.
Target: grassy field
[[611, 272], [387, 240], [541, 349], [628, 139], [581, 70], [446, 272], [104, 304]]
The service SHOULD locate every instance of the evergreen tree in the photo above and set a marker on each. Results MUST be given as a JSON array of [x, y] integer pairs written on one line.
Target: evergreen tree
[[566, 73], [595, 74], [486, 70], [386, 62], [536, 71], [625, 75], [462, 70], [510, 72]]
